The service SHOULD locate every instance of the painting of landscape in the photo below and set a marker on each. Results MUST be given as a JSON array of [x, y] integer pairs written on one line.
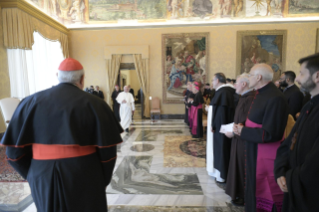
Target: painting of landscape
[[109, 10], [302, 7]]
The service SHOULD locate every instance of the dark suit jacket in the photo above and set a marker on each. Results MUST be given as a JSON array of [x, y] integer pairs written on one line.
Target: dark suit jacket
[[294, 97]]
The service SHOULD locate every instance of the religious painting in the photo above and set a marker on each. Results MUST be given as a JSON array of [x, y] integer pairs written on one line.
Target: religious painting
[[297, 8], [255, 47], [268, 8], [184, 59], [111, 10]]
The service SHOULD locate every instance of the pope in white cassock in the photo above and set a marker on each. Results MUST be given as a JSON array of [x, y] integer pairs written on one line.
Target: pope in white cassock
[[126, 101]]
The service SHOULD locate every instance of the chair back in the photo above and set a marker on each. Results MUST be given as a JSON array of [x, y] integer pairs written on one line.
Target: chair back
[[8, 106], [290, 124], [156, 105]]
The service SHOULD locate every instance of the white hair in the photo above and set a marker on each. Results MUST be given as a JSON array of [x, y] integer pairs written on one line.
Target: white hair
[[70, 76], [265, 71], [244, 78]]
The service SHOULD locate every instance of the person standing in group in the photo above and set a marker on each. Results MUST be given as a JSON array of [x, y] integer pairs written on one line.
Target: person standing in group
[[296, 169], [263, 132], [197, 108], [98, 92], [222, 112], [127, 108], [291, 92], [236, 171], [116, 105], [63, 141]]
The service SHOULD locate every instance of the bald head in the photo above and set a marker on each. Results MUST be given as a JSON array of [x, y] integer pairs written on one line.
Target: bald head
[[264, 70]]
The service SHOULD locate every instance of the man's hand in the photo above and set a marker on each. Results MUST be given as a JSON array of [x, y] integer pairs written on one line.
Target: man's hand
[[211, 129], [237, 128], [229, 134], [281, 181], [124, 101]]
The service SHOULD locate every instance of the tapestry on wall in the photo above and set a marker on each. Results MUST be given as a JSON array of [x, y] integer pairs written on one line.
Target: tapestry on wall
[[184, 59], [267, 46], [297, 8]]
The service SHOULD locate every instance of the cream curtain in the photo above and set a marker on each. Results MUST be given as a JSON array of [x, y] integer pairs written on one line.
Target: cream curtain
[[142, 69], [18, 28], [112, 70]]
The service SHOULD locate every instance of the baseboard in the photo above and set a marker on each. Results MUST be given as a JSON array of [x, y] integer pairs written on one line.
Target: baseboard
[[169, 116]]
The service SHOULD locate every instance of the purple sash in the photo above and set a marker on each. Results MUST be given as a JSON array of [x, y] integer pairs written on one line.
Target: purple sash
[[268, 192], [195, 114]]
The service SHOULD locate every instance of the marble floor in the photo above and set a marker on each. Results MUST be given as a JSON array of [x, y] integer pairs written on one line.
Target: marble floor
[[149, 174]]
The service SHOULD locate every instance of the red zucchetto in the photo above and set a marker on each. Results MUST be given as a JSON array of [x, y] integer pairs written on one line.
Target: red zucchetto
[[70, 64]]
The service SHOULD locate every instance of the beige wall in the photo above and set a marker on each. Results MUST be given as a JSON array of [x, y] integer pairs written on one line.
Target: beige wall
[[88, 47], [4, 74]]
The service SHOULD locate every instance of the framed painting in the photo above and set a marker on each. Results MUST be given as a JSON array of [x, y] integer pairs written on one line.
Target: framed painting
[[317, 41], [184, 59], [266, 46], [298, 8]]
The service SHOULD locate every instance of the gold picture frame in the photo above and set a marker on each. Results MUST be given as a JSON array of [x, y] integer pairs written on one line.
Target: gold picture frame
[[191, 51], [263, 46], [287, 13]]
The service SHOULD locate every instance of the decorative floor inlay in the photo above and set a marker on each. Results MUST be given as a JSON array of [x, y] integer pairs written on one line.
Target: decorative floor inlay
[[7, 172], [13, 193], [133, 177], [151, 135], [196, 148], [130, 208], [142, 147], [175, 157]]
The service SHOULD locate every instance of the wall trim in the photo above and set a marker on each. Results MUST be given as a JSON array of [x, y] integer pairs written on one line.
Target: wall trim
[[111, 50], [35, 12]]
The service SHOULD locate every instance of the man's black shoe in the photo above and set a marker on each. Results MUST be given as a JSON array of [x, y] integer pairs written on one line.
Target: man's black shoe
[[126, 130]]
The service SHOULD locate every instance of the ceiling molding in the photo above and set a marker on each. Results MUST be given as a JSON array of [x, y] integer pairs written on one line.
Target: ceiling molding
[[35, 12], [192, 24]]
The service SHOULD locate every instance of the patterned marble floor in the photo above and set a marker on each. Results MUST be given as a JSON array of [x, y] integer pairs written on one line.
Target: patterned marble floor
[[142, 181]]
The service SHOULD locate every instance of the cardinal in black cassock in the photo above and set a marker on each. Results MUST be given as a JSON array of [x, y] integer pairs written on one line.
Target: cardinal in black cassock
[[263, 133], [223, 113], [297, 156], [190, 111], [63, 141], [197, 108], [186, 96], [116, 105]]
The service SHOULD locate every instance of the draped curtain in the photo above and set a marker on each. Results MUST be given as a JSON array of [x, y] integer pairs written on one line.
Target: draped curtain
[[18, 28], [142, 69], [112, 70], [34, 70]]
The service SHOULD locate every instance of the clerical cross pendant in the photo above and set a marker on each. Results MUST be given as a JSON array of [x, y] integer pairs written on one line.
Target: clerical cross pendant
[[293, 141]]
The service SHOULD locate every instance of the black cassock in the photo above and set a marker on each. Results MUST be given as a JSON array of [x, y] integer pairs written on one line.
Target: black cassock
[[116, 105], [190, 95], [186, 107], [64, 116], [294, 97], [223, 113], [269, 110], [300, 165], [197, 130]]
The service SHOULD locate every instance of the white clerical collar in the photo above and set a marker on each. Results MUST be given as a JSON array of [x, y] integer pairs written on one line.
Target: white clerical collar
[[224, 85], [247, 91]]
